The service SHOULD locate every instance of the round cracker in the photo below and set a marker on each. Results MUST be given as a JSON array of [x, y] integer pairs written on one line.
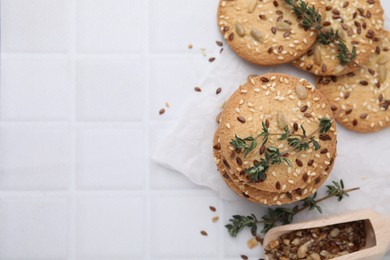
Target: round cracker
[[264, 98], [264, 32], [359, 23], [362, 98]]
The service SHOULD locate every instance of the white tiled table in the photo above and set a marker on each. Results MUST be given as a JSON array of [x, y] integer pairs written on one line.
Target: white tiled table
[[82, 82]]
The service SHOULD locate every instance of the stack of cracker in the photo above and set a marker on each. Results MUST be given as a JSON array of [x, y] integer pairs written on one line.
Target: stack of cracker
[[286, 109]]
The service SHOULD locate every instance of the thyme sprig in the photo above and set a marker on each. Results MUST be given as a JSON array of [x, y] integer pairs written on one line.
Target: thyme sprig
[[311, 18], [283, 216], [273, 156]]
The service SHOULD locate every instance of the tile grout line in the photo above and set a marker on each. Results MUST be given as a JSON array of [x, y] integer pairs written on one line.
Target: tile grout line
[[71, 192], [147, 209]]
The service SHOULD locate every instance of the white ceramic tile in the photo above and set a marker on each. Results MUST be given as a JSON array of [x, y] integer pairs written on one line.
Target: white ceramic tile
[[236, 246], [110, 90], [111, 26], [110, 158], [35, 89], [161, 177], [34, 228], [35, 25], [173, 236], [110, 227], [33, 157], [173, 89], [175, 23]]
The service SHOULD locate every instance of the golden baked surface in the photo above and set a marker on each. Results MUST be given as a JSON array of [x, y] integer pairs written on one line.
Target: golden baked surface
[[361, 99], [264, 32], [359, 23]]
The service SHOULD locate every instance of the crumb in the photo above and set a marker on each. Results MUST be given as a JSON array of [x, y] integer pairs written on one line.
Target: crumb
[[167, 104], [190, 46], [215, 219]]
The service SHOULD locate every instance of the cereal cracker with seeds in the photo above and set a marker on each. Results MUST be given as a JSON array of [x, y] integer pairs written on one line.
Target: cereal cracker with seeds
[[361, 99], [265, 32], [358, 23]]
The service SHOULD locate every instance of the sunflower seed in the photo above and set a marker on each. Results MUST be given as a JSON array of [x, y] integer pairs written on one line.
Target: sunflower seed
[[282, 121], [383, 60], [317, 57], [257, 35], [252, 5], [382, 73], [239, 29], [282, 26], [301, 91]]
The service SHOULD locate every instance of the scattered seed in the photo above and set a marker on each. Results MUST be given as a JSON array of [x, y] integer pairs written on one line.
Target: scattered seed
[[162, 111], [211, 59], [212, 208], [244, 257], [198, 89], [215, 219], [203, 233], [219, 43], [252, 243], [219, 90]]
